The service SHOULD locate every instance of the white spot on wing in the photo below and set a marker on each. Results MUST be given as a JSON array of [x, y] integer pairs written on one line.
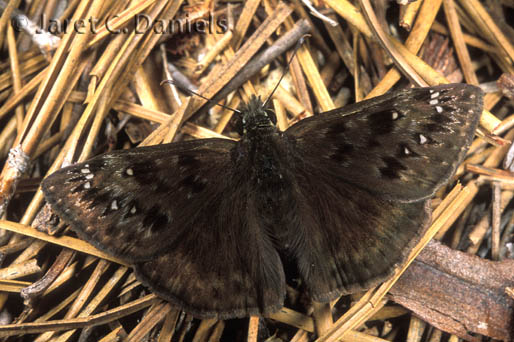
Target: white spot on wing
[[114, 205], [87, 185], [406, 151], [434, 95], [130, 172], [395, 115], [439, 109], [422, 139], [433, 102], [85, 170], [133, 210], [90, 176]]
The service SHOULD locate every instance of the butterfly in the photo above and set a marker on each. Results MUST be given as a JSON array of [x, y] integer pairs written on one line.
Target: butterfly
[[343, 195]]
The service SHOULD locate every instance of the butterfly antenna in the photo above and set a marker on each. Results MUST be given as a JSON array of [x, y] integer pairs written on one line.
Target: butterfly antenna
[[297, 46], [190, 92]]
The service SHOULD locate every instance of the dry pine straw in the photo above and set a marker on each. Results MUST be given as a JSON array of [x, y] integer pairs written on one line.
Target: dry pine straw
[[40, 91]]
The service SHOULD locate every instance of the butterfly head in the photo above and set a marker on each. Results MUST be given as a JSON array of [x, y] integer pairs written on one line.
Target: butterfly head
[[254, 117]]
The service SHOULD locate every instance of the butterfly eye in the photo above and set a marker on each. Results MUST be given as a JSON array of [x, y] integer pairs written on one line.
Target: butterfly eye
[[271, 116], [238, 125]]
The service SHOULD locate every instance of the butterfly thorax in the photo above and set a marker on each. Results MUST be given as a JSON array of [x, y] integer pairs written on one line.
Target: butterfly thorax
[[261, 142], [263, 153]]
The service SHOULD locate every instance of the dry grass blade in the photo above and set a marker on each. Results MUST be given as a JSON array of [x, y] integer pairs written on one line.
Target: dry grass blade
[[460, 45], [80, 322], [400, 62], [64, 241]]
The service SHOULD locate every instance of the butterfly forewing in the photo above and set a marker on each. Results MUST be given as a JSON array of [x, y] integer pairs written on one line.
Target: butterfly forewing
[[109, 200], [400, 146]]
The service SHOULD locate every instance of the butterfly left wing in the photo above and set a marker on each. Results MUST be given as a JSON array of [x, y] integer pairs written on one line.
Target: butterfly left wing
[[401, 146], [178, 213]]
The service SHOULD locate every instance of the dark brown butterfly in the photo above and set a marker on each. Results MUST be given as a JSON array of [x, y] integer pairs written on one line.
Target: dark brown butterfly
[[343, 195]]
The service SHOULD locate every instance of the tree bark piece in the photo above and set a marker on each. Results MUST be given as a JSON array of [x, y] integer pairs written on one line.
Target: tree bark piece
[[459, 293]]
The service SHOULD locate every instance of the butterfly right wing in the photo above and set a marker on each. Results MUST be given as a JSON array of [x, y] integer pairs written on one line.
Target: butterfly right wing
[[180, 214]]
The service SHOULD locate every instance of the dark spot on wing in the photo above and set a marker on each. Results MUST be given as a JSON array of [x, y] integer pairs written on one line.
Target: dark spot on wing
[[440, 119], [155, 219], [392, 168], [434, 128], [342, 152], [97, 199], [163, 186], [381, 123], [144, 173], [186, 162], [194, 183], [336, 129]]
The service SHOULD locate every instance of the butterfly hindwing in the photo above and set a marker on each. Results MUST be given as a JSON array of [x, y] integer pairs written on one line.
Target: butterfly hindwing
[[170, 210], [401, 145], [228, 250], [348, 239]]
